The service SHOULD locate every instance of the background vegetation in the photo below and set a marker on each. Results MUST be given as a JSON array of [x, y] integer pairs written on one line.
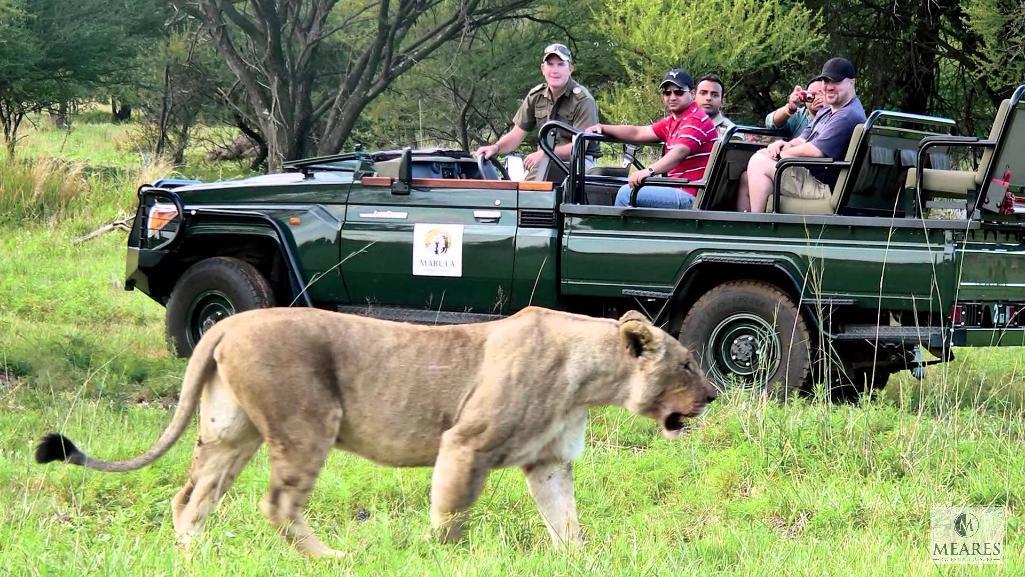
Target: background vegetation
[[97, 97], [306, 77]]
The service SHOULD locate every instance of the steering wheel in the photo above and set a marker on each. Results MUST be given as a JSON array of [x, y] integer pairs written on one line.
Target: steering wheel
[[483, 174]]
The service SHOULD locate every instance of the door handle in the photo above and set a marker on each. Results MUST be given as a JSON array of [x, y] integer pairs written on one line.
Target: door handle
[[487, 215], [384, 214]]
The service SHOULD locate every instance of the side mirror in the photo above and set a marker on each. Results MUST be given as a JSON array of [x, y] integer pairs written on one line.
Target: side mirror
[[405, 176], [514, 166]]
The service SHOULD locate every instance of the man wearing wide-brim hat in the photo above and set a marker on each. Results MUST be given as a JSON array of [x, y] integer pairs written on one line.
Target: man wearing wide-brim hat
[[826, 137], [559, 97]]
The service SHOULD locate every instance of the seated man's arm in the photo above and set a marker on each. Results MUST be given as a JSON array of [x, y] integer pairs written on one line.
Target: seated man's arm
[[626, 132], [802, 150], [672, 157]]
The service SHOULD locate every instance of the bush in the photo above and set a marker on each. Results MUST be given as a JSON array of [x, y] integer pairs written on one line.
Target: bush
[[40, 189], [48, 191]]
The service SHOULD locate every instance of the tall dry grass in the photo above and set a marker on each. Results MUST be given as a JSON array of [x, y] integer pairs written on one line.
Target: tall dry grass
[[39, 189], [49, 191]]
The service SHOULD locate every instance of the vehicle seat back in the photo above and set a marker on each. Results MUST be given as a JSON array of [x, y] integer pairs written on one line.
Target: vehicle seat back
[[827, 205], [713, 159], [603, 191], [956, 185]]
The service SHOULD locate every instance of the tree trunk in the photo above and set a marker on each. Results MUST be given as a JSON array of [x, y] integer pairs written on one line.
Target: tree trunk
[[12, 122], [59, 118], [119, 111]]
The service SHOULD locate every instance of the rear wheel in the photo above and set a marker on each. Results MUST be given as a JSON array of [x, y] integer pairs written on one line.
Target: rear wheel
[[749, 334], [210, 291]]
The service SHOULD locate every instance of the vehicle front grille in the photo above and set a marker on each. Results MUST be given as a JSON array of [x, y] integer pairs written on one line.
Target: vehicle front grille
[[537, 219]]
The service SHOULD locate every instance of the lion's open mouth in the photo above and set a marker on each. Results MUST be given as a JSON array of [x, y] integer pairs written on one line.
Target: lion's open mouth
[[673, 425]]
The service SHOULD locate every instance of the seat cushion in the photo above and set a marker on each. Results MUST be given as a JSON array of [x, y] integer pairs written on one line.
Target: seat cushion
[[791, 205], [943, 182]]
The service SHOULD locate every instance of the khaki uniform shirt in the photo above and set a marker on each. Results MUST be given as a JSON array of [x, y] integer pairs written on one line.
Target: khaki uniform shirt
[[722, 124], [575, 107]]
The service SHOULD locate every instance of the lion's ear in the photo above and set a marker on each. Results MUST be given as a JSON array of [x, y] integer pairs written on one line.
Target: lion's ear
[[633, 316], [639, 336]]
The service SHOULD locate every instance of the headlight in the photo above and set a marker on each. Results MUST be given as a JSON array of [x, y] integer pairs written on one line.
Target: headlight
[[160, 215]]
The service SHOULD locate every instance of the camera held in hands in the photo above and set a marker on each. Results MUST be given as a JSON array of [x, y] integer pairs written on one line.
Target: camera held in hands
[[807, 96]]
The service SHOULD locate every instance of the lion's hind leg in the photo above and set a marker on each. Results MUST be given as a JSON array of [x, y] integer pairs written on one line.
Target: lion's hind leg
[[295, 462], [227, 441]]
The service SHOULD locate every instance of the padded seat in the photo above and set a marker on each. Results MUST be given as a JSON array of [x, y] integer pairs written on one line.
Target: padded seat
[[958, 184], [713, 159], [945, 183], [791, 205]]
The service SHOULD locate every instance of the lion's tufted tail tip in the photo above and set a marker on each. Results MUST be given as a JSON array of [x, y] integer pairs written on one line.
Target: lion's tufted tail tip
[[57, 447]]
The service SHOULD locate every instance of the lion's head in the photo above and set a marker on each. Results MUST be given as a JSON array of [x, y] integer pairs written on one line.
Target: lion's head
[[668, 385]]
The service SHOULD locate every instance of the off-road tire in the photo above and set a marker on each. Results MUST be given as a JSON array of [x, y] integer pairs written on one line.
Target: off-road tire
[[750, 333], [209, 291]]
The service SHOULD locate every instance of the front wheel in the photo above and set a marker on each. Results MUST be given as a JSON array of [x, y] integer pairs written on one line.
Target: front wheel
[[749, 334], [210, 291]]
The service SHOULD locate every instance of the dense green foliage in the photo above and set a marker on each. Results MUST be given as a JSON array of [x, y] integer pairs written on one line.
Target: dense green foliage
[[735, 39], [328, 74]]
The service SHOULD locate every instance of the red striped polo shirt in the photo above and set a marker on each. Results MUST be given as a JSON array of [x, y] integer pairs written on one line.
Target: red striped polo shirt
[[693, 129]]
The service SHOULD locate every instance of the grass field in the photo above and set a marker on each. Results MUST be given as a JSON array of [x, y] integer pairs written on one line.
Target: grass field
[[805, 488]]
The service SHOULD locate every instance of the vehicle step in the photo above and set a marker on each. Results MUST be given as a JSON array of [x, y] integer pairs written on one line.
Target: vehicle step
[[418, 316], [647, 294], [891, 334]]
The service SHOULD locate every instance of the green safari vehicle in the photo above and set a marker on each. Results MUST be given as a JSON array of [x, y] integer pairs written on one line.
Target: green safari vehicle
[[921, 247]]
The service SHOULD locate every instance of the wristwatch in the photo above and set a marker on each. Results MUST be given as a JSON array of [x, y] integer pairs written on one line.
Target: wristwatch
[[651, 171]]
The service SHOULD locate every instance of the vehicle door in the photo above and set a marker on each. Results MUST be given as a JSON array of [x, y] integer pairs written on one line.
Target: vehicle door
[[436, 244]]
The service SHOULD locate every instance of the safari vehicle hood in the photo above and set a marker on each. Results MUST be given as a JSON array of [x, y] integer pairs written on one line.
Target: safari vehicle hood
[[279, 187]]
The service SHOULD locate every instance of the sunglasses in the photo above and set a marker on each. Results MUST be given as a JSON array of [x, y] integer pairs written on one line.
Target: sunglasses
[[676, 91]]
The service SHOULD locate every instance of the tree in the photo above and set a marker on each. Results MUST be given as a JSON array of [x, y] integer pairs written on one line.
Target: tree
[[182, 81], [737, 39], [1000, 57], [466, 93], [308, 68], [53, 52], [953, 58]]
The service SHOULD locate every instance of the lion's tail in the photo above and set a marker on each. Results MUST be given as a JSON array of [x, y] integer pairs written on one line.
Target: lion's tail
[[56, 447]]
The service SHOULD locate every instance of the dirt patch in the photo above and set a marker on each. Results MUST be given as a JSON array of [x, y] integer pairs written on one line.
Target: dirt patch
[[144, 399]]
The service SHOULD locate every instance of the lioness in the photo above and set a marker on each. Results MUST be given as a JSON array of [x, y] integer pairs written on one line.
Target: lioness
[[466, 399]]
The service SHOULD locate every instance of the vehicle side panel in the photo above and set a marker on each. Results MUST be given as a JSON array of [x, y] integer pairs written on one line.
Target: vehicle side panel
[[896, 268]]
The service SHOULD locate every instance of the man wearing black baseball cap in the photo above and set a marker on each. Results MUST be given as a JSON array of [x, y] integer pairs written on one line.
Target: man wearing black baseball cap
[[826, 137], [688, 134], [559, 97]]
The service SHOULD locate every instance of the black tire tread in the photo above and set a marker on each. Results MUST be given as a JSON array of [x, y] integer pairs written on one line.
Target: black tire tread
[[770, 291], [256, 292]]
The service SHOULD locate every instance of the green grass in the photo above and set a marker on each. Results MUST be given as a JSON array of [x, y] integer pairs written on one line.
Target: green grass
[[805, 488], [760, 489]]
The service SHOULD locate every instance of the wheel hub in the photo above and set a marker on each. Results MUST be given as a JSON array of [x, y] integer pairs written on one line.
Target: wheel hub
[[208, 308], [742, 350], [744, 347]]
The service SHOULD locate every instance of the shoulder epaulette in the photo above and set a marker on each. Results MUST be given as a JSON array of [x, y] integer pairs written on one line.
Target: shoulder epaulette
[[537, 88], [580, 93]]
